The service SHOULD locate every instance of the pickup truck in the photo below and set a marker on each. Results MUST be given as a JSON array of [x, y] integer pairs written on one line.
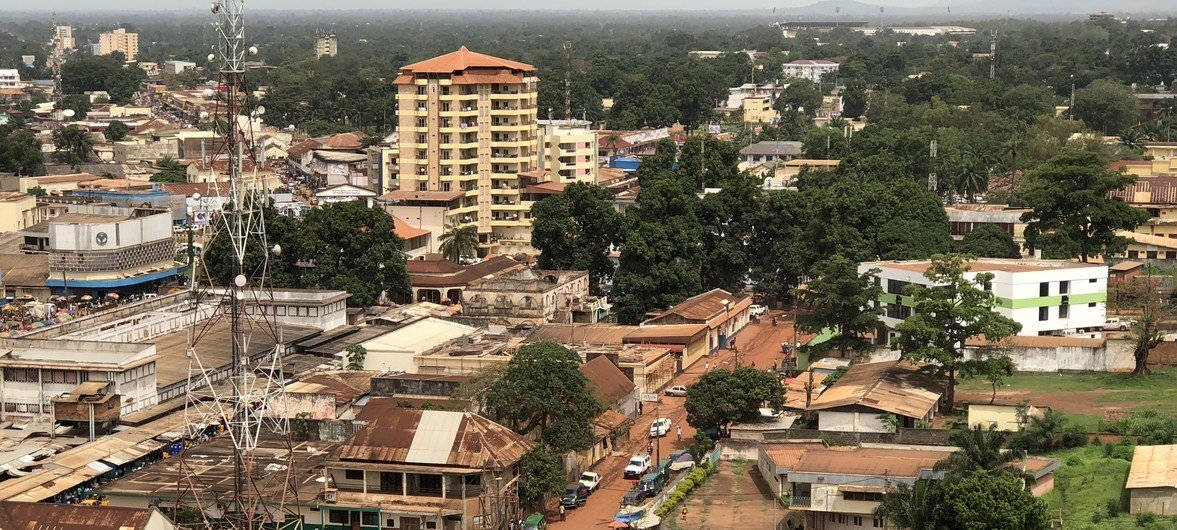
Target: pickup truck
[[660, 427], [638, 465], [590, 480]]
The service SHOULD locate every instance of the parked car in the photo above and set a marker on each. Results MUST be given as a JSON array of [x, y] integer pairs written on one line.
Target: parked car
[[653, 482], [575, 495], [535, 521], [757, 310], [638, 465], [677, 390], [660, 427], [635, 497], [590, 480], [1117, 324]]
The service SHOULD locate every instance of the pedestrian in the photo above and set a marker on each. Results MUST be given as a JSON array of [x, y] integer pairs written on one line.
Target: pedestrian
[[562, 516], [650, 448], [680, 433], [707, 366], [639, 408], [684, 513], [774, 322]]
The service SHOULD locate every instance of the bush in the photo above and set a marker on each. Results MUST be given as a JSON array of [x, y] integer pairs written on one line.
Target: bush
[[1113, 508], [1152, 427], [1145, 519], [1122, 450]]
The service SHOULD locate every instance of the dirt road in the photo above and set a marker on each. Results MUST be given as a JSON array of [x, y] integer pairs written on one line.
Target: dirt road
[[758, 344]]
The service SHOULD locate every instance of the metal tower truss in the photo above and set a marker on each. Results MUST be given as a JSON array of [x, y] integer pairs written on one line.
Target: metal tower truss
[[230, 400]]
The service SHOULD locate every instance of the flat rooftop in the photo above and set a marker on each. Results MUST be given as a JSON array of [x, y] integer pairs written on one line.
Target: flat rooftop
[[990, 265], [63, 353], [214, 344]]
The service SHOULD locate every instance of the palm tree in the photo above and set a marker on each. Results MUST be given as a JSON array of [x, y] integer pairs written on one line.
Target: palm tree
[[917, 507], [980, 449], [1132, 139], [459, 241], [1012, 148]]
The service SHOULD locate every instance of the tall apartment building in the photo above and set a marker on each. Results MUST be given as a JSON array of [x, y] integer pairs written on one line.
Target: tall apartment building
[[326, 44], [468, 123], [118, 40], [65, 37], [568, 148]]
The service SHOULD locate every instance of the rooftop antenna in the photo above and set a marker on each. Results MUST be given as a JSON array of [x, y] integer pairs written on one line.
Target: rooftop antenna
[[568, 81]]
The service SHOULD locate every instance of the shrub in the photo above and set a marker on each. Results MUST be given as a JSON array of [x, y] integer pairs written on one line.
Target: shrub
[[1113, 507], [1122, 450], [1152, 427], [1145, 519]]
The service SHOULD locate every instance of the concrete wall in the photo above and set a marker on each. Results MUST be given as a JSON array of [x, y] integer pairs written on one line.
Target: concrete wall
[[1161, 501], [291, 404], [1114, 356], [831, 420]]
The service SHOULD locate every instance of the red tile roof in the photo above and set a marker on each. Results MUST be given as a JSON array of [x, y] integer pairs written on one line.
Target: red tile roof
[[404, 230], [460, 60], [705, 306], [608, 383], [435, 272]]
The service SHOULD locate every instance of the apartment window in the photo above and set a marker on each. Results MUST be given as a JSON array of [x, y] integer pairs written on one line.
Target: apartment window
[[337, 516], [1090, 304], [421, 139], [370, 518], [420, 122], [1171, 254], [877, 522], [1064, 287], [1044, 313], [1044, 289], [422, 186], [1132, 254], [1092, 280], [1152, 254], [841, 518], [1064, 310], [420, 90], [857, 521], [353, 474]]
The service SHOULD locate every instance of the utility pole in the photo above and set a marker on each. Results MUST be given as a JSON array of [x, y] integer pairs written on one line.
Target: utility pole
[[992, 53], [1071, 109], [932, 172]]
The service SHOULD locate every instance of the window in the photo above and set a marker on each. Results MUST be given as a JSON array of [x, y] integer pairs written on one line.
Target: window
[[1044, 289], [420, 90], [896, 286], [370, 518], [877, 522], [1170, 254], [1092, 280], [1091, 304], [353, 474], [1132, 254], [337, 516], [1064, 287], [1044, 313], [857, 521], [1152, 254], [1064, 310], [841, 518]]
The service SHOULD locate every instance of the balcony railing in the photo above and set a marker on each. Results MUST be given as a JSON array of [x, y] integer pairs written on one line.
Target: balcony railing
[[803, 502]]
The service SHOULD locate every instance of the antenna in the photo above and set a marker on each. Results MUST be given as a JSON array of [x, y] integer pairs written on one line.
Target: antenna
[[992, 53], [568, 81], [932, 172]]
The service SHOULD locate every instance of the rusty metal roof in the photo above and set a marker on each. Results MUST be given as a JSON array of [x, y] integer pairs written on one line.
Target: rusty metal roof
[[38, 516], [889, 386], [396, 435]]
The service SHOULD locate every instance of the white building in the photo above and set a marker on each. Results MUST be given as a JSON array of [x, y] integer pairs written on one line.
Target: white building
[[9, 78], [1047, 297], [175, 67], [35, 371], [811, 69], [737, 95], [568, 149]]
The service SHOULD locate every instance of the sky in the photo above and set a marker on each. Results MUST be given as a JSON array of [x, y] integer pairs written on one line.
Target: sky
[[90, 5]]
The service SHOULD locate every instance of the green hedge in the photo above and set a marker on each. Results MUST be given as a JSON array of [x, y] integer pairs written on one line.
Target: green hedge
[[694, 479]]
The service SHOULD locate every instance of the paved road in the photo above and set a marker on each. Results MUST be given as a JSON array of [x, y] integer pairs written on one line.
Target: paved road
[[758, 344]]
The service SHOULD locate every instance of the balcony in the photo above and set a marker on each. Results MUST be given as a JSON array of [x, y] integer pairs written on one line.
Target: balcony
[[800, 502]]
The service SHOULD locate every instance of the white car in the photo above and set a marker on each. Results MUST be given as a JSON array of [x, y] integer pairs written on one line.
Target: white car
[[757, 310], [638, 465], [660, 427], [677, 390], [1117, 324], [590, 480]]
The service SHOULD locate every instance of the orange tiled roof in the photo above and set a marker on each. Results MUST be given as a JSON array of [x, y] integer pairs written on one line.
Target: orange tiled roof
[[461, 60]]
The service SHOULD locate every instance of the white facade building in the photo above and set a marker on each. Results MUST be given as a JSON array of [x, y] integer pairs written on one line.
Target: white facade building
[[811, 69], [9, 78], [737, 95], [1047, 297]]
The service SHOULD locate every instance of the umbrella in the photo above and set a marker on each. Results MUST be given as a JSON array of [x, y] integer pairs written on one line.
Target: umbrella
[[87, 298], [113, 296], [618, 524]]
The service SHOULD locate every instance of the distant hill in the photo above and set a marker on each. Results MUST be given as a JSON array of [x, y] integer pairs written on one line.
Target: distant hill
[[854, 9]]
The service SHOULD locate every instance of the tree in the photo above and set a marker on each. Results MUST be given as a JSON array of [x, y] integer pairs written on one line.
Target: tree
[[540, 475], [854, 99], [990, 241], [837, 297], [982, 500], [993, 370], [353, 248], [977, 500], [801, 94], [355, 355], [74, 144], [544, 389], [1046, 432], [946, 313], [1072, 209], [79, 103], [574, 231], [116, 131], [915, 507], [980, 450], [723, 396], [170, 171], [1146, 335], [459, 242], [20, 152], [1106, 105]]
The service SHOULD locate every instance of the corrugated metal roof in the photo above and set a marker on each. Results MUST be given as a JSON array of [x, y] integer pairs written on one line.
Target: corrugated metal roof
[[1153, 466], [436, 432], [890, 386]]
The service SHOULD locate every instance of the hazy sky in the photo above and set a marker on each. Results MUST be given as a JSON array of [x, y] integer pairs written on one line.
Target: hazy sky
[[89, 5]]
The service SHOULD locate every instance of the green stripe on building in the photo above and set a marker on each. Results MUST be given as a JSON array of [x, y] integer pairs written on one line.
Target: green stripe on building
[[1074, 299]]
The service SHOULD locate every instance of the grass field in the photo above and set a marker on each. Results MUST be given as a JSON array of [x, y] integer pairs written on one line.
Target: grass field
[[1086, 481], [1085, 398]]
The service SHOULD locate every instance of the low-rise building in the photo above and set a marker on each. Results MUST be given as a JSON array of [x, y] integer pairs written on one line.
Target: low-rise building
[[9, 78], [610, 385], [422, 469], [18, 211], [436, 279], [28, 515], [769, 151], [964, 218], [24, 275], [345, 193], [1152, 480], [878, 397], [425, 210], [397, 350], [811, 69], [1047, 297], [759, 110], [1000, 416], [723, 314], [534, 296]]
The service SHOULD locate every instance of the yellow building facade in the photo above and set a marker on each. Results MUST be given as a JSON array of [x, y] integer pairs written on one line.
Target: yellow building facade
[[467, 121]]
